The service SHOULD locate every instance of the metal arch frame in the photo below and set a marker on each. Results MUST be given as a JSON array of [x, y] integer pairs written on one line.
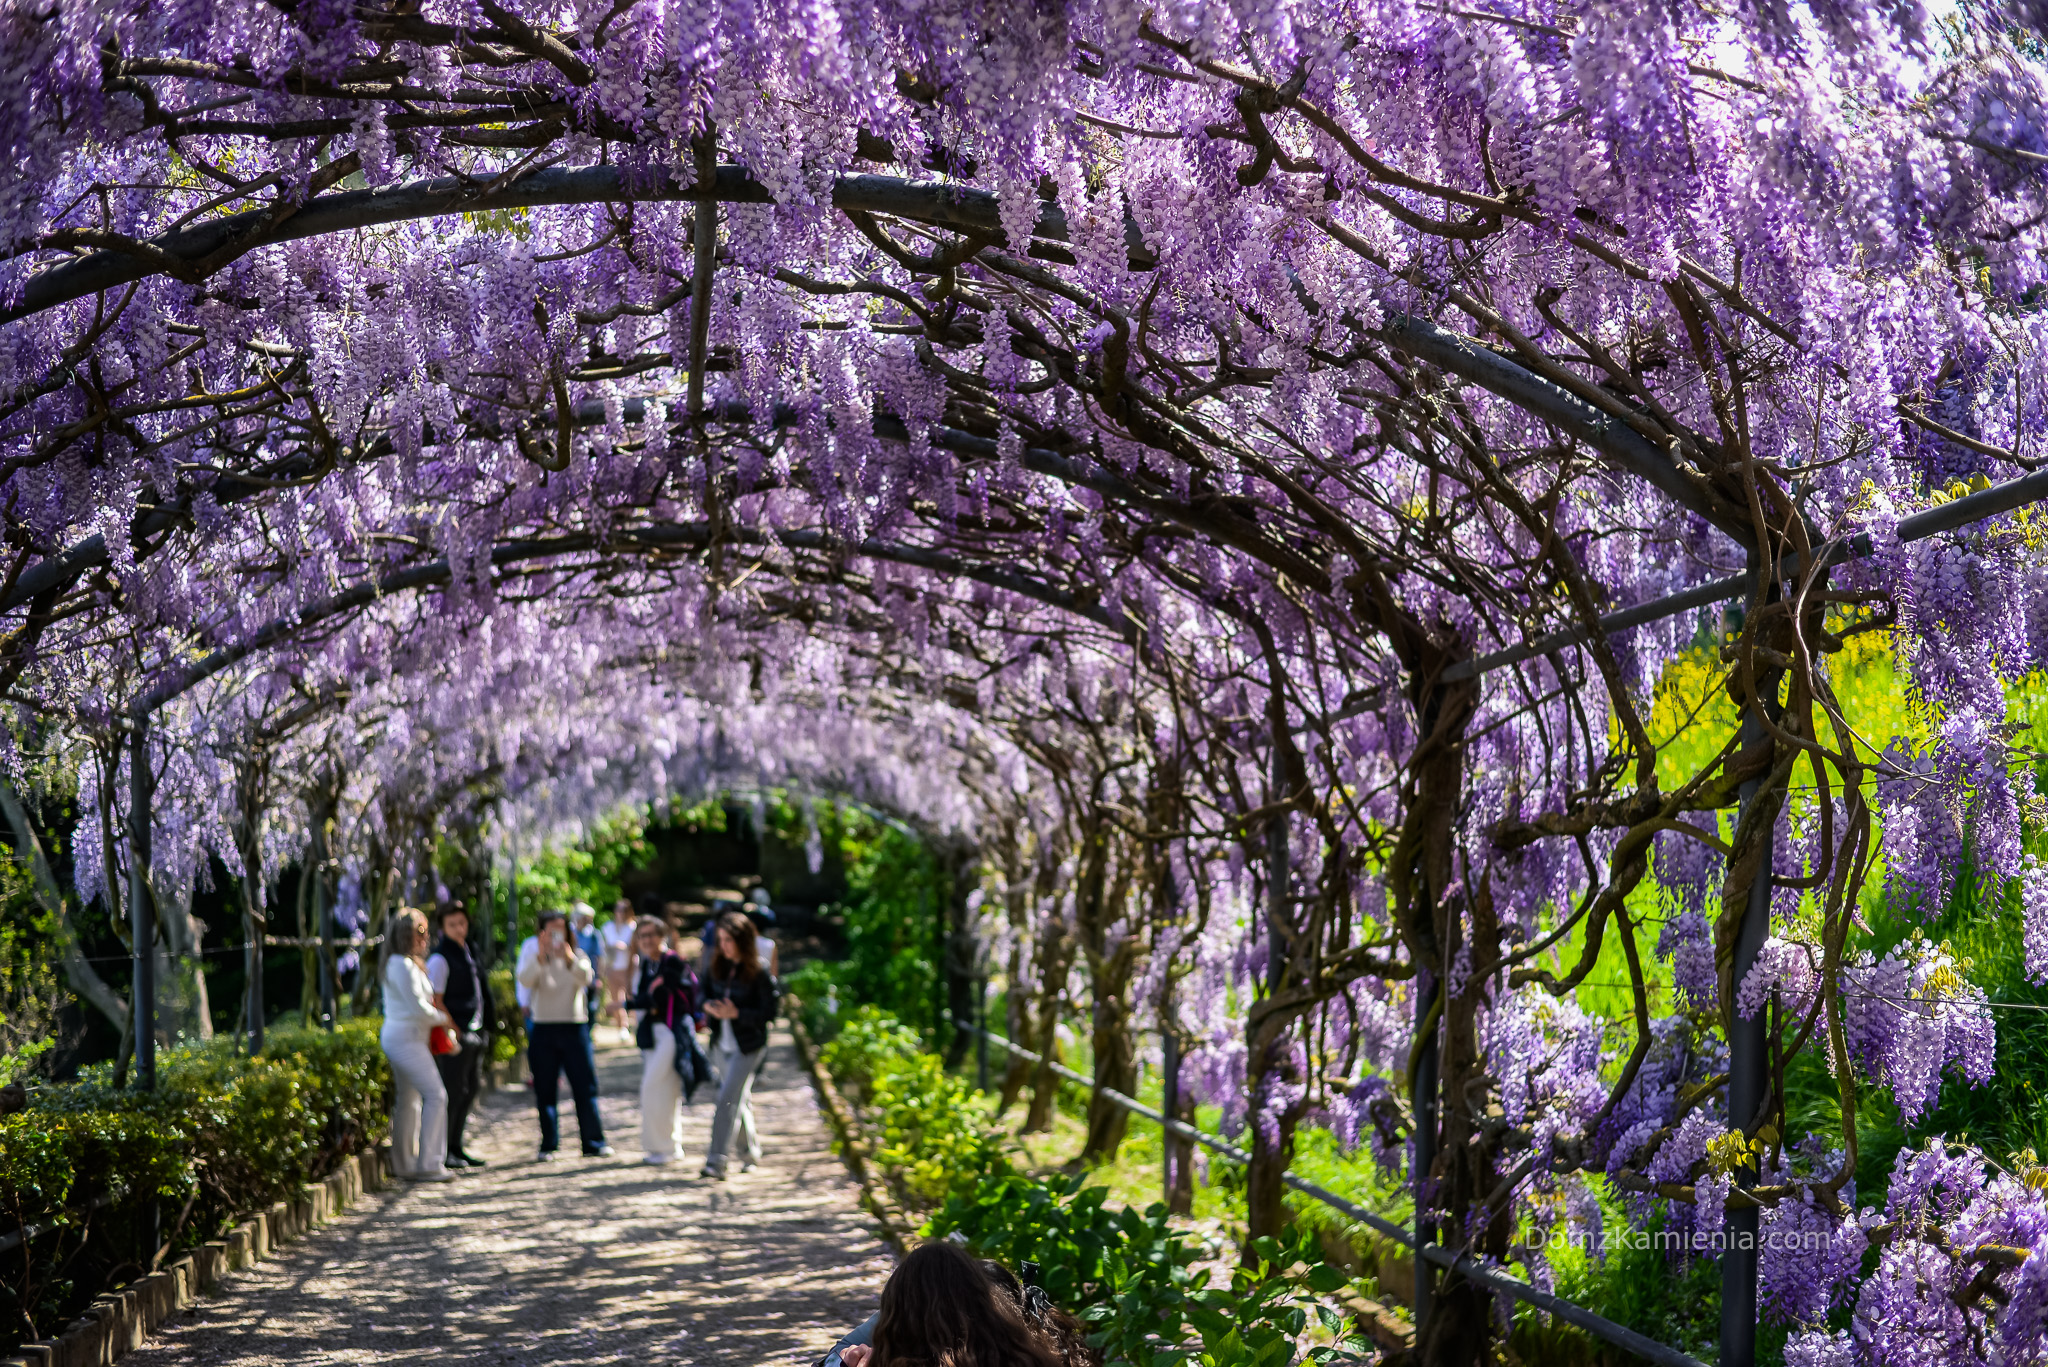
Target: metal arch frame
[[222, 240]]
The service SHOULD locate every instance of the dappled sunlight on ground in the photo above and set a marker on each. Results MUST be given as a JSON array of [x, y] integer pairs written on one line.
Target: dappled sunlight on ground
[[585, 1261]]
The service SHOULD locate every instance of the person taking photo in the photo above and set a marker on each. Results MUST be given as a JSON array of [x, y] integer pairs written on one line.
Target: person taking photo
[[557, 975], [739, 1001], [667, 998], [459, 990]]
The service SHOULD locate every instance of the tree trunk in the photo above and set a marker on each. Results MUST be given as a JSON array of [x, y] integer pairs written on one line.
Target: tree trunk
[[1017, 1003], [309, 957], [1270, 1058], [370, 967], [1456, 1323], [1110, 967], [248, 843], [1055, 956], [1116, 1064], [963, 949], [320, 806], [1271, 1065]]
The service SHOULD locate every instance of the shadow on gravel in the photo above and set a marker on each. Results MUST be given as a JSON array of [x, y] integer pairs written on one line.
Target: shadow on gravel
[[584, 1261]]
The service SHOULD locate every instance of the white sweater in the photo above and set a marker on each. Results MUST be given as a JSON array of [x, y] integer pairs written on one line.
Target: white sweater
[[555, 990], [408, 996]]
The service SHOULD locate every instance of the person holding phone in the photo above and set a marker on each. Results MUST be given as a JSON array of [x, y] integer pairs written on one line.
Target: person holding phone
[[557, 975], [740, 1001], [666, 998]]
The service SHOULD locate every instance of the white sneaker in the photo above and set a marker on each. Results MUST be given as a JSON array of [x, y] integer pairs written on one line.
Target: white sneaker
[[657, 1160], [548, 1156], [749, 1165]]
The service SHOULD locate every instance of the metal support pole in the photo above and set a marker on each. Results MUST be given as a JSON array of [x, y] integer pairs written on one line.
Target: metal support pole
[[141, 909], [1423, 1102], [323, 919], [1278, 871], [1169, 1095], [1423, 1099], [981, 1034], [252, 967], [1747, 1056], [483, 908]]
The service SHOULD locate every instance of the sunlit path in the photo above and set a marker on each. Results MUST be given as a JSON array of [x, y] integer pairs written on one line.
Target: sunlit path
[[584, 1261]]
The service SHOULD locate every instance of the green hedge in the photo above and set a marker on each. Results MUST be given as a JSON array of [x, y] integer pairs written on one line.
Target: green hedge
[[1132, 1278], [934, 1133], [221, 1135]]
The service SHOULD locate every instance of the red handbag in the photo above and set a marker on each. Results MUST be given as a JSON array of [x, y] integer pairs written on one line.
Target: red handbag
[[441, 1040]]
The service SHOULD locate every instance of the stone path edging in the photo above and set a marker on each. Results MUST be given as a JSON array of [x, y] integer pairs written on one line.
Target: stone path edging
[[121, 1320], [853, 1144]]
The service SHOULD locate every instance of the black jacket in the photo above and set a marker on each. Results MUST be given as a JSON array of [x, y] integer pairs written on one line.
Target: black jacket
[[669, 993], [756, 1001], [463, 996]]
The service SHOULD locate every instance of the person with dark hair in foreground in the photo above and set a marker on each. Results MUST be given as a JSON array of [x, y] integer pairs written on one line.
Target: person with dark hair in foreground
[[1069, 1340], [943, 1307]]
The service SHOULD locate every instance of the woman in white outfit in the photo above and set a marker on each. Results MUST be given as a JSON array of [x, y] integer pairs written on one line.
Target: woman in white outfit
[[669, 1004], [619, 935], [419, 1118]]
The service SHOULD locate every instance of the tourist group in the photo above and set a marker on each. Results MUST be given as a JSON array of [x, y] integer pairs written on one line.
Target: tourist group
[[571, 972]]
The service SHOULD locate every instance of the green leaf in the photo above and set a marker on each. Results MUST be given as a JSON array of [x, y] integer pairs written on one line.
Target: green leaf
[[1323, 1278]]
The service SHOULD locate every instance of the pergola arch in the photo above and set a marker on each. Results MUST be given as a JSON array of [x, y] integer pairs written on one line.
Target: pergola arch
[[1345, 363]]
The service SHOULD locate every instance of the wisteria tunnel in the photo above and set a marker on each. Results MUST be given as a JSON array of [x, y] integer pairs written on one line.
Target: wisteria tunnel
[[1417, 624]]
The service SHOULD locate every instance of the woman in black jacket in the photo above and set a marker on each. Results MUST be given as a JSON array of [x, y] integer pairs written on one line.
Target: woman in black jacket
[[669, 1002], [740, 1001]]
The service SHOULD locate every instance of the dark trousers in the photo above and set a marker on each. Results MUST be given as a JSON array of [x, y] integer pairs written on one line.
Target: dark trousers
[[462, 1073], [555, 1048]]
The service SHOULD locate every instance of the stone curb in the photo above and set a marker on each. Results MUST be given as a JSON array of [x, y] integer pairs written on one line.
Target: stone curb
[[121, 1320], [853, 1146]]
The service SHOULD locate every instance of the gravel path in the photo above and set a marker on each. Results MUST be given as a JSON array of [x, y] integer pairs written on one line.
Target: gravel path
[[585, 1261]]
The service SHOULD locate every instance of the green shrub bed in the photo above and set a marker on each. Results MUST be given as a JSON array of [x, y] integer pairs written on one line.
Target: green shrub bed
[[1139, 1285], [220, 1136], [933, 1133]]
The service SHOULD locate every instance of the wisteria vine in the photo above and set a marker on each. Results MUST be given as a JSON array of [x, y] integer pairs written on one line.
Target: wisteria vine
[[1125, 437]]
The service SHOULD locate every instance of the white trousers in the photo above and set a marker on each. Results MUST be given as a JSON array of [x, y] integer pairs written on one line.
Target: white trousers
[[419, 1118], [661, 1096]]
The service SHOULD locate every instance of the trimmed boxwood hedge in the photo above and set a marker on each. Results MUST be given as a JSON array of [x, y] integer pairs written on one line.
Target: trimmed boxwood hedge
[[220, 1136]]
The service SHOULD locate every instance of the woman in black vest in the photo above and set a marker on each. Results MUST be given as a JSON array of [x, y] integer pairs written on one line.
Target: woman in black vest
[[666, 997], [459, 990]]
